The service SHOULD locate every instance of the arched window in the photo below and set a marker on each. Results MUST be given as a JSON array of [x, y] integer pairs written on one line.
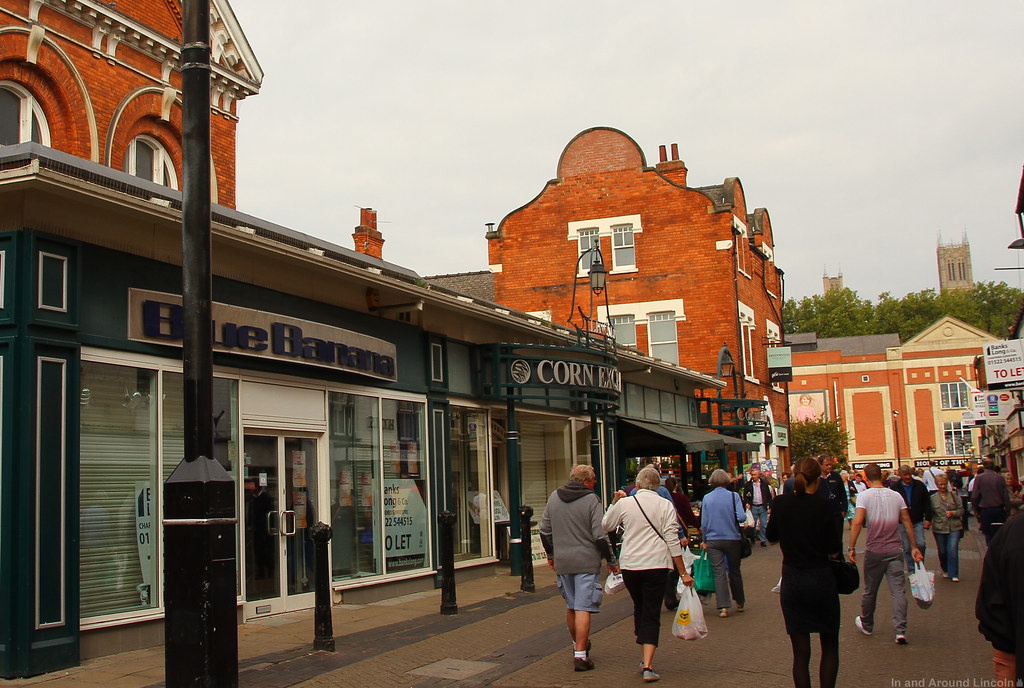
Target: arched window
[[147, 159], [21, 117]]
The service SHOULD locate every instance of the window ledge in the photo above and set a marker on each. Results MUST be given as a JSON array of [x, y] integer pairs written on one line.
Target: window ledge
[[624, 271]]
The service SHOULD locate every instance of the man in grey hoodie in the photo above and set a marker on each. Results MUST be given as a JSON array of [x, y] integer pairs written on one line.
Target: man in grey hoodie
[[571, 533]]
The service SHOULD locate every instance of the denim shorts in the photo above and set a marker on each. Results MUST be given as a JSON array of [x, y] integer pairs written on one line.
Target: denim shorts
[[582, 591]]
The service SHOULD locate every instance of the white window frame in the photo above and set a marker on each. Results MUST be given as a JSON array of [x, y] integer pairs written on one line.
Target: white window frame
[[592, 237], [604, 226], [30, 109], [663, 316], [742, 246], [953, 432], [162, 163], [625, 322], [748, 326], [618, 232], [963, 394]]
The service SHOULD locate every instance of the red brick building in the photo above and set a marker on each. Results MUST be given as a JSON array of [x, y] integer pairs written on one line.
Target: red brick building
[[102, 83], [690, 269]]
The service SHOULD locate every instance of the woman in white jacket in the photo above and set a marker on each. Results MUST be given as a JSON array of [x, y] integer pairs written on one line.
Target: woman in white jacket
[[650, 547]]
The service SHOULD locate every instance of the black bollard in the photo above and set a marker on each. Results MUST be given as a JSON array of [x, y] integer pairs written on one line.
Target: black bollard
[[323, 622], [447, 521], [525, 514]]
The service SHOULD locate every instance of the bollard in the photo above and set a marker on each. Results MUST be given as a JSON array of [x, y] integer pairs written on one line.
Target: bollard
[[322, 620], [447, 521], [525, 514]]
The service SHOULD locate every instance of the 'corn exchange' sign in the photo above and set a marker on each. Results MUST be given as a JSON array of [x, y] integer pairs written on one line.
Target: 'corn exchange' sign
[[551, 373]]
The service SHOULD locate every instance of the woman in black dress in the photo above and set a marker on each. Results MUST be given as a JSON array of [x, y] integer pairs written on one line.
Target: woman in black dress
[[802, 523]]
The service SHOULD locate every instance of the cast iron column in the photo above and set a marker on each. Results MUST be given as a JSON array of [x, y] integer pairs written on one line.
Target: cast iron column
[[446, 519], [200, 634], [526, 582], [515, 534], [323, 623]]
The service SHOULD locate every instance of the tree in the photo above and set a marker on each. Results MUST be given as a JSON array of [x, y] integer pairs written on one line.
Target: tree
[[814, 437], [990, 306], [836, 313]]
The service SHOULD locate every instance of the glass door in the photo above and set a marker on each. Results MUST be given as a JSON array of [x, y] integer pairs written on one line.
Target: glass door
[[280, 497]]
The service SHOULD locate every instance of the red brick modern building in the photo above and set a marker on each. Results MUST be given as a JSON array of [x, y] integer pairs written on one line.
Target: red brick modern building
[[102, 83], [690, 269]]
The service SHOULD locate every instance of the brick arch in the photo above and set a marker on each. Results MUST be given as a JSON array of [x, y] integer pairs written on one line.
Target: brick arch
[[139, 113], [56, 84], [601, 149]]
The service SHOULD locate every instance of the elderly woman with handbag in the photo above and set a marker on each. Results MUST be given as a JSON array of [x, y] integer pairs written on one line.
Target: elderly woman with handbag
[[721, 515], [801, 522], [650, 548]]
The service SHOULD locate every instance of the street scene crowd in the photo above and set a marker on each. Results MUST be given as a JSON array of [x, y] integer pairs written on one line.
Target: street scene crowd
[[662, 548]]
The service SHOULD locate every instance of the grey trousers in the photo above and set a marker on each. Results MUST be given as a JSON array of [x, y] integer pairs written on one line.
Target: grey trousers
[[889, 566], [721, 552]]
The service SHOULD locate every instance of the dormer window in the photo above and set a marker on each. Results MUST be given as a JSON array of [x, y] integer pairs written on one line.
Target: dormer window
[[21, 117], [148, 160]]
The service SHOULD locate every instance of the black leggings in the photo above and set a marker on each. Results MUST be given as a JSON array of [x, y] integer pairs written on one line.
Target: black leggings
[[829, 667], [647, 588]]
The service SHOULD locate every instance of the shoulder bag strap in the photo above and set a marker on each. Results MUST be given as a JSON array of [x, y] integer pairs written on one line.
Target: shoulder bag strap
[[648, 520]]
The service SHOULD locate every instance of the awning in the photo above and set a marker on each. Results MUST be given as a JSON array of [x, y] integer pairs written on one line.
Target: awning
[[649, 438], [738, 445]]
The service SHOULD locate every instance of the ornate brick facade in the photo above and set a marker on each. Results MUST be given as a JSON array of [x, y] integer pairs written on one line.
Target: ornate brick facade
[[702, 261], [102, 76]]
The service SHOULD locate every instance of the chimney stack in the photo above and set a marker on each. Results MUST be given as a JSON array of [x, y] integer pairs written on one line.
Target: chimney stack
[[367, 239], [675, 169]]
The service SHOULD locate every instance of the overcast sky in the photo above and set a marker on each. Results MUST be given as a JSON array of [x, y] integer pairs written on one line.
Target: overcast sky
[[867, 129]]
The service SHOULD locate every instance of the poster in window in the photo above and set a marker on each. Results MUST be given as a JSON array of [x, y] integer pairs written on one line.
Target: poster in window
[[299, 468], [808, 406]]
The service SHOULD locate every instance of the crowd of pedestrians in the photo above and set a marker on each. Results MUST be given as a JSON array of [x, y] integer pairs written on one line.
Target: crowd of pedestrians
[[652, 521]]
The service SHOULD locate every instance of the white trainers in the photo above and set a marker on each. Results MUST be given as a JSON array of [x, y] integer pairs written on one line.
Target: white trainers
[[901, 639], [860, 626]]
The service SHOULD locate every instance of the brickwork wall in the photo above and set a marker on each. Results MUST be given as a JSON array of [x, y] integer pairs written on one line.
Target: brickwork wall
[[601, 175], [110, 89]]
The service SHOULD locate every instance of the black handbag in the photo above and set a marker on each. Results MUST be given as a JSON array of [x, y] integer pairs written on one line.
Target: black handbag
[[847, 575], [746, 549]]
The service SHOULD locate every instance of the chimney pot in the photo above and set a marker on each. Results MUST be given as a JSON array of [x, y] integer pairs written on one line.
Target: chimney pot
[[675, 151], [661, 154]]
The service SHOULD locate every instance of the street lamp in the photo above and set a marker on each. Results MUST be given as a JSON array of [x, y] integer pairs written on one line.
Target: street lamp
[[597, 276], [928, 451], [896, 433], [726, 367]]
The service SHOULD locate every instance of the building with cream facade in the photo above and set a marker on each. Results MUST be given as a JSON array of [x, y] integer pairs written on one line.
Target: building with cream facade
[[899, 403]]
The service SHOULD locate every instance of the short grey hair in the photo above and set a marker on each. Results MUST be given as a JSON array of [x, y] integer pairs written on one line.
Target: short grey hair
[[719, 478], [581, 472], [648, 478]]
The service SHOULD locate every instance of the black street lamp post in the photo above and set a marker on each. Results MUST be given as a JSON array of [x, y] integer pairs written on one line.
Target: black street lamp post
[[200, 632], [896, 435]]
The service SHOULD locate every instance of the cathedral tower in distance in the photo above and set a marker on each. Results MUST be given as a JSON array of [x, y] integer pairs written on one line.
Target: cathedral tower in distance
[[955, 270]]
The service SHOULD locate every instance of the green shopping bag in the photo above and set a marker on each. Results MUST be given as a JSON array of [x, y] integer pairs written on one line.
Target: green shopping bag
[[703, 575]]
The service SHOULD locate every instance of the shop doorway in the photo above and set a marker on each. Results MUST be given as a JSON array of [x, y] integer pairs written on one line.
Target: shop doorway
[[280, 482]]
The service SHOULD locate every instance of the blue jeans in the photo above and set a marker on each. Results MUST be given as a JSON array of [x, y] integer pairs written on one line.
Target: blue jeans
[[948, 547], [921, 543], [760, 512]]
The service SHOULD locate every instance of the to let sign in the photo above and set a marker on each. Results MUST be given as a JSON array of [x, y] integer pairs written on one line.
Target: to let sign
[[1004, 364]]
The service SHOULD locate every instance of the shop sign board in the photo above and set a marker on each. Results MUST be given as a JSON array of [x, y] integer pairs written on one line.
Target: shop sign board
[[780, 363], [884, 465], [565, 373], [158, 318], [1004, 364]]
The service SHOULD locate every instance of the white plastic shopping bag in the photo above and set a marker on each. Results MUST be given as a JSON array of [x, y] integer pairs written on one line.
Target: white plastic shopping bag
[[613, 583], [688, 559], [749, 523], [689, 621], [922, 586]]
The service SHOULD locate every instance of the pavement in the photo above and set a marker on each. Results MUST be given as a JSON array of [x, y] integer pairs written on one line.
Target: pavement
[[506, 638]]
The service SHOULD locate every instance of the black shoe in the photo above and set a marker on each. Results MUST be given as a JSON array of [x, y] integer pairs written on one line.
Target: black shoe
[[582, 663], [763, 543]]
